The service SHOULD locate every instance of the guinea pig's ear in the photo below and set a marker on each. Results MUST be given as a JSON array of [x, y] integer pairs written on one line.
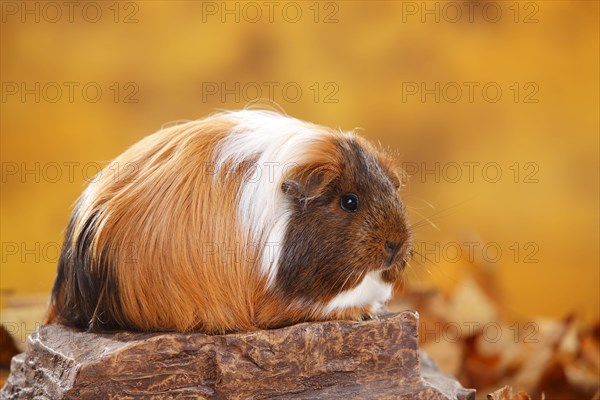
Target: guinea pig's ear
[[395, 179], [394, 172], [305, 184]]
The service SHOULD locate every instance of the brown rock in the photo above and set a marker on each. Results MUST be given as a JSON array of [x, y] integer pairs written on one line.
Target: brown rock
[[375, 359]]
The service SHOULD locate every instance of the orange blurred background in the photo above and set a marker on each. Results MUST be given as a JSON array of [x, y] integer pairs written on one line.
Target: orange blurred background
[[493, 107]]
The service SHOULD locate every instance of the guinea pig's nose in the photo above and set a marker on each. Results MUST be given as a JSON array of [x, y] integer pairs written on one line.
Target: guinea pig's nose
[[391, 247]]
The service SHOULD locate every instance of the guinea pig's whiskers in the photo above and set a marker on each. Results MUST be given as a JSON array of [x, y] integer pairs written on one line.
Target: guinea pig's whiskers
[[426, 269], [409, 268], [434, 264], [423, 256], [425, 219], [427, 205], [443, 213], [422, 266]]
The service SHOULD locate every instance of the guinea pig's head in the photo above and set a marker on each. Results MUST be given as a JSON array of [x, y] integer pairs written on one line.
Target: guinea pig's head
[[347, 228]]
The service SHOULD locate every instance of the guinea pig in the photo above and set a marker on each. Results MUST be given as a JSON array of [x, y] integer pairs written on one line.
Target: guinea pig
[[239, 221]]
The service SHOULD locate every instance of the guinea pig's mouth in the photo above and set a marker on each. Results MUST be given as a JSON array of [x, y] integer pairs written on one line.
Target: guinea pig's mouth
[[387, 265]]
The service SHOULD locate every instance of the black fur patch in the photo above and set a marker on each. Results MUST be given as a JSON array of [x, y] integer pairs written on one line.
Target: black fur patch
[[85, 292]]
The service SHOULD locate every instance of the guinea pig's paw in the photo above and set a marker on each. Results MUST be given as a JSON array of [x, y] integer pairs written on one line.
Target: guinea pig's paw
[[379, 309], [368, 316]]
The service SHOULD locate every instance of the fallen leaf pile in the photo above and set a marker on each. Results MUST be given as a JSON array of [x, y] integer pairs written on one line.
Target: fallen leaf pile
[[506, 393], [467, 335]]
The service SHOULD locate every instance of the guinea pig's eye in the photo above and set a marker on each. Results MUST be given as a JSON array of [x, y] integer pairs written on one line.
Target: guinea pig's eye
[[349, 202]]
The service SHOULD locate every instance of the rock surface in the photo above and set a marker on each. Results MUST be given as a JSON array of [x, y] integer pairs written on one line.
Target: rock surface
[[375, 359]]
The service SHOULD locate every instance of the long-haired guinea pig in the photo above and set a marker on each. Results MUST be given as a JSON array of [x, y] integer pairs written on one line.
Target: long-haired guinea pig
[[243, 220]]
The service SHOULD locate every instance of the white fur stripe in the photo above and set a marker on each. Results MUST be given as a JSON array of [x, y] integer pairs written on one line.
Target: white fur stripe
[[276, 143]]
